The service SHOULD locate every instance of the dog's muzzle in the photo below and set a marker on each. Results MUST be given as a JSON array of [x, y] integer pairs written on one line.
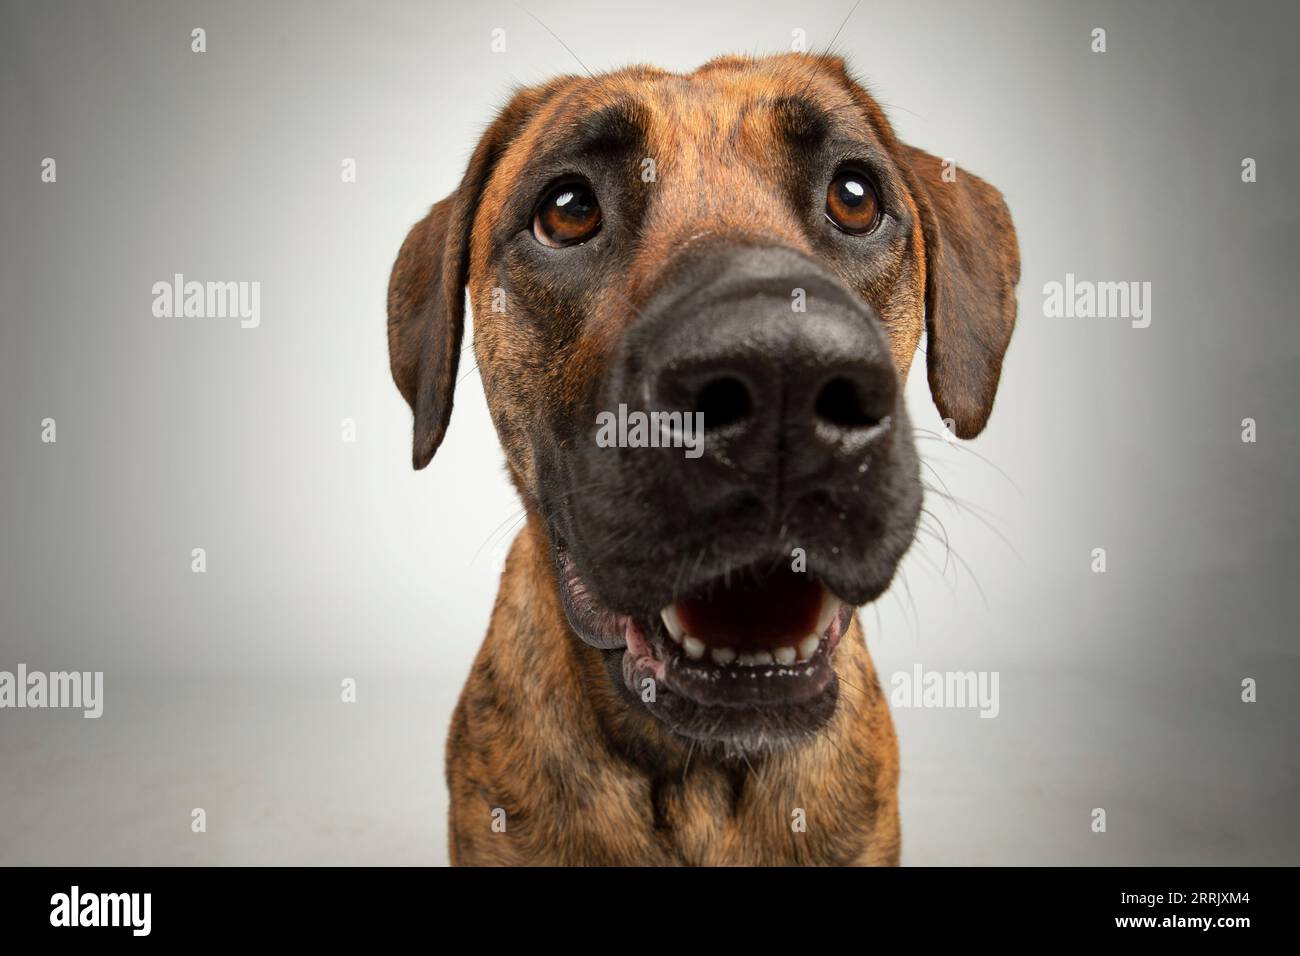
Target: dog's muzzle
[[728, 573]]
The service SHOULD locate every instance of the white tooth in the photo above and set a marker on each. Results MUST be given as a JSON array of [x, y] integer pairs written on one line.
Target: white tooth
[[784, 655], [673, 622], [723, 655], [694, 647], [808, 646], [755, 659], [830, 607]]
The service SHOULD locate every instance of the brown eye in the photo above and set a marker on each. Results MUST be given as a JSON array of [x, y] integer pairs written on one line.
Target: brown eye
[[567, 216], [851, 203]]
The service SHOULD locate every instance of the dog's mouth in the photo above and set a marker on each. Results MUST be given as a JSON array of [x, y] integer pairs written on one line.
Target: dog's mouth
[[759, 639]]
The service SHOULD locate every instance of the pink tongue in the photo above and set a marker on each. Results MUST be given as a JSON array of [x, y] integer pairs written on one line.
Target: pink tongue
[[754, 612]]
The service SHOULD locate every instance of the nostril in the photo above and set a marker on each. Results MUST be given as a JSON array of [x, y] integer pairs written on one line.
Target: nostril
[[724, 401], [841, 403]]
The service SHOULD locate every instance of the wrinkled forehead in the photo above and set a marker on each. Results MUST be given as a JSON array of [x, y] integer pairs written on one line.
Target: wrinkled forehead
[[726, 113]]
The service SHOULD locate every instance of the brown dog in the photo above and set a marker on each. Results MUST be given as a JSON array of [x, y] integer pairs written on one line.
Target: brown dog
[[674, 673]]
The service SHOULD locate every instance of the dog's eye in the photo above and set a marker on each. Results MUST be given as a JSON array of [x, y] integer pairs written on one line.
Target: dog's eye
[[851, 203], [567, 216]]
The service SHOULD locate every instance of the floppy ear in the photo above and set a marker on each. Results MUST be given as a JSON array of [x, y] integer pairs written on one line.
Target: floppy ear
[[426, 292], [972, 265], [426, 321]]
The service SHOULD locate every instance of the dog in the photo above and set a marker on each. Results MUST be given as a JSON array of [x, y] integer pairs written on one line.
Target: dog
[[674, 672]]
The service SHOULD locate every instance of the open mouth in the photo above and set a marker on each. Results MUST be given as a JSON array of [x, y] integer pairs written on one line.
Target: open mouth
[[757, 638], [778, 618]]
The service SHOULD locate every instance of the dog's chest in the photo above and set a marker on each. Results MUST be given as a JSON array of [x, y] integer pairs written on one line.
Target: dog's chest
[[726, 816]]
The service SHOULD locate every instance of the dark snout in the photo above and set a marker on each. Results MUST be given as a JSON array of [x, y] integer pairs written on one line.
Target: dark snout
[[789, 372], [805, 442]]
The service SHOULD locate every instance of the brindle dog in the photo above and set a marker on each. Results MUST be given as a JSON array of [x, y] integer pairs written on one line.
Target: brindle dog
[[674, 672]]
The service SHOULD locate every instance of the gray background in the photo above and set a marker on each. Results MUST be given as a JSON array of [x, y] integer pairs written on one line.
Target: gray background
[[329, 560]]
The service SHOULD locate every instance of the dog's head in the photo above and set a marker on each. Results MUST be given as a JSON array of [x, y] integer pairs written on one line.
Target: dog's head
[[748, 245]]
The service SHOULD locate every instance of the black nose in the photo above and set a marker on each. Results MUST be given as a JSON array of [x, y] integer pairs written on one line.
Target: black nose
[[790, 371]]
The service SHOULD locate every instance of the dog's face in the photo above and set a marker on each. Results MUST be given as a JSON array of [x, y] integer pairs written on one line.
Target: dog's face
[[750, 244]]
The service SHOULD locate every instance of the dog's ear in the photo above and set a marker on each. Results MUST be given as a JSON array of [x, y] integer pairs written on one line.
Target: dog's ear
[[972, 265], [426, 292]]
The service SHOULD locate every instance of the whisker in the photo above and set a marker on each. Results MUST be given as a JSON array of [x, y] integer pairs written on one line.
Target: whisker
[[947, 543], [927, 434], [845, 22], [920, 553], [558, 40], [939, 478], [969, 573], [961, 505]]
